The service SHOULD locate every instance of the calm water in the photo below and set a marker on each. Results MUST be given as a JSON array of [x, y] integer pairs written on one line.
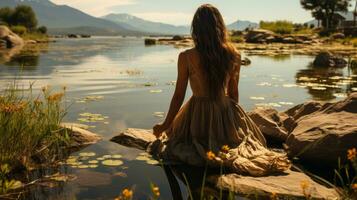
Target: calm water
[[131, 83]]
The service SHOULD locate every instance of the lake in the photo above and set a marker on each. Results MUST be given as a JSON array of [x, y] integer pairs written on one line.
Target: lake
[[115, 83]]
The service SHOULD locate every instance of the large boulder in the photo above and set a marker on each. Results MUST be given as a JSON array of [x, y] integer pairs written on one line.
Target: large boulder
[[327, 59], [9, 38], [284, 186], [324, 136]]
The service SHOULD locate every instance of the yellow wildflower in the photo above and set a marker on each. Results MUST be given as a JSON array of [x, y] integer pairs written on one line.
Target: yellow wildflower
[[210, 155], [55, 97], [273, 196], [12, 107], [127, 194], [304, 185], [351, 154], [354, 186], [225, 148], [156, 191]]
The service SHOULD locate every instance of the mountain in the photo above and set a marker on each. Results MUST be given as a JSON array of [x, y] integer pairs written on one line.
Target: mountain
[[136, 23], [63, 18], [241, 25]]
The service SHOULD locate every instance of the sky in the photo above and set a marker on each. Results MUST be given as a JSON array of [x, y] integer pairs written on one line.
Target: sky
[[180, 12]]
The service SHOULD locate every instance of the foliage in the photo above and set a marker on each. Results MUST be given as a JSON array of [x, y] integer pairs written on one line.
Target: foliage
[[42, 29], [5, 183], [280, 27], [237, 39], [25, 16], [324, 10], [21, 15], [30, 126], [20, 30], [344, 175], [6, 14]]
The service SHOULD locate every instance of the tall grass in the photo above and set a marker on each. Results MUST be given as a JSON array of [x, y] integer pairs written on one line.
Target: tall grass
[[280, 27], [30, 130]]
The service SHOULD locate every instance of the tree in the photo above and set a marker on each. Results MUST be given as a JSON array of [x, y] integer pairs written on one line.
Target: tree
[[42, 29], [6, 14], [324, 10], [24, 16]]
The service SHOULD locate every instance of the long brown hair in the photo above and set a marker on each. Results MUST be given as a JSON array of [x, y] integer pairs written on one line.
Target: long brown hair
[[217, 55]]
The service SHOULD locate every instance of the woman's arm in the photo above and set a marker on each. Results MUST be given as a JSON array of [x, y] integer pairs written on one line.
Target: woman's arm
[[233, 92], [178, 97]]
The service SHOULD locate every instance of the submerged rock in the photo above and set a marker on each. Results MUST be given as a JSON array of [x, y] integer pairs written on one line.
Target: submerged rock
[[327, 59], [150, 41]]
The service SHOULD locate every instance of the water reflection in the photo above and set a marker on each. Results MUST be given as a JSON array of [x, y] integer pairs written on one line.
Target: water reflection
[[326, 84]]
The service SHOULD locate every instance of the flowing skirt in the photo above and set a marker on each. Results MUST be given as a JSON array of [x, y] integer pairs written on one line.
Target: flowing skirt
[[219, 133]]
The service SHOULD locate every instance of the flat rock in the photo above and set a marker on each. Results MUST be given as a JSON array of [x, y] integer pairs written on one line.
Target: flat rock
[[80, 137], [137, 138], [285, 186], [288, 186]]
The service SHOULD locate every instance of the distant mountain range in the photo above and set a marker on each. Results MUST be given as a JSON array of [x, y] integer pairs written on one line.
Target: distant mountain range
[[63, 19], [241, 25], [139, 24]]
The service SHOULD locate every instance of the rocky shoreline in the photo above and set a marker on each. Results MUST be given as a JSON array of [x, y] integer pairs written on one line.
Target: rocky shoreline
[[317, 133]]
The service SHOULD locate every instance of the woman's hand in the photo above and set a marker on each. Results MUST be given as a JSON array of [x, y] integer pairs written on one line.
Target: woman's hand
[[159, 129]]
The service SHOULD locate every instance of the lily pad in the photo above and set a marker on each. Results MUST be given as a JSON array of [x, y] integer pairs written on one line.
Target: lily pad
[[87, 154], [152, 162], [112, 163], [142, 158], [117, 156], [93, 162], [155, 91]]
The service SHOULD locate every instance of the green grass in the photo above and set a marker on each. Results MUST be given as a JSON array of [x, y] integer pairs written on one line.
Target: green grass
[[279, 27], [30, 130], [35, 36]]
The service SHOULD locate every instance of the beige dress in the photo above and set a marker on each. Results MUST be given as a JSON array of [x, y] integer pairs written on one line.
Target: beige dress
[[203, 125]]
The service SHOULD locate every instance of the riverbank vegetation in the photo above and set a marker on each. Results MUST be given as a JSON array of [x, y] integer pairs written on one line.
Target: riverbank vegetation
[[30, 131], [22, 20]]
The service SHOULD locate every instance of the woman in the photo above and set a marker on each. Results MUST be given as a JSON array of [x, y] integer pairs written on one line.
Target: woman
[[211, 127]]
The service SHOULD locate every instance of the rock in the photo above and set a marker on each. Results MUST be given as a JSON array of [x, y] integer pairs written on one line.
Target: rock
[[31, 42], [258, 36], [137, 138], [178, 38], [72, 36], [150, 41], [246, 61], [286, 186], [324, 136], [85, 36], [337, 36], [326, 59], [10, 37], [270, 123], [79, 136], [289, 40]]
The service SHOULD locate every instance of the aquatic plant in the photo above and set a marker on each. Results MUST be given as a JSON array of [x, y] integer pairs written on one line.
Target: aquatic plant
[[30, 131]]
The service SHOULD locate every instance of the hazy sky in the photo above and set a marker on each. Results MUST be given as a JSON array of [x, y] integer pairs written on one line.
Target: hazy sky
[[180, 12]]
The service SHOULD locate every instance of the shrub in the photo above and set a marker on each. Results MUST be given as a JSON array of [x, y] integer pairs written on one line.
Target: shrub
[[30, 126], [20, 30], [237, 39], [280, 27], [42, 29]]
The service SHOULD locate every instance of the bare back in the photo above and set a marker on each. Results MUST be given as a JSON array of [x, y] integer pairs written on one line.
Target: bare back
[[197, 76]]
